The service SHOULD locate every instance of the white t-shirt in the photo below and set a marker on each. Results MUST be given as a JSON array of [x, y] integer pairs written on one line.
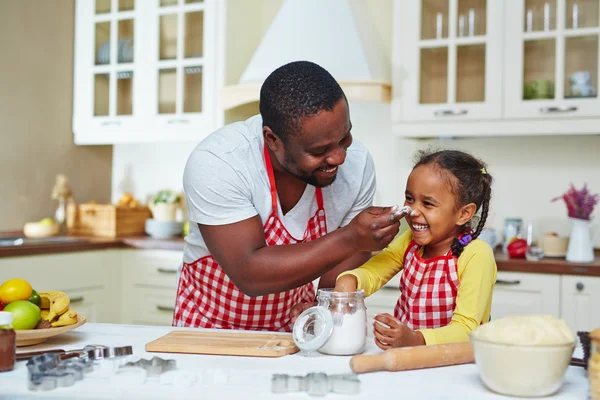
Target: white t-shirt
[[225, 181]]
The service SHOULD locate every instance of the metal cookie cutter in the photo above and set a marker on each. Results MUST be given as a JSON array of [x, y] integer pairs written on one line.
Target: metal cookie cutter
[[154, 366], [316, 384], [54, 369]]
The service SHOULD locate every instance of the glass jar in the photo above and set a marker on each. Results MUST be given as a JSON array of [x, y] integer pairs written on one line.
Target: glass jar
[[336, 326], [594, 364], [8, 342], [512, 229]]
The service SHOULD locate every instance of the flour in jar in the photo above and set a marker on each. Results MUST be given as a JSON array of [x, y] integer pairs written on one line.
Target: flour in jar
[[349, 336]]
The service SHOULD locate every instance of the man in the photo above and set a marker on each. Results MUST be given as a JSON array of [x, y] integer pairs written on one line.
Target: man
[[275, 202]]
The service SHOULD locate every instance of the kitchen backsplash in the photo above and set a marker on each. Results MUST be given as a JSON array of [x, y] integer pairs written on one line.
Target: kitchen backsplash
[[528, 171]]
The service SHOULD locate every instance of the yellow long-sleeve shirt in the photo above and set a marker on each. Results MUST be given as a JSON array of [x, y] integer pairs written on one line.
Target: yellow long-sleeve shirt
[[476, 275]]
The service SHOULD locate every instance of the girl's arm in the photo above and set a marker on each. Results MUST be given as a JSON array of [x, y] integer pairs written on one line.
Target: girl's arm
[[376, 272], [477, 276]]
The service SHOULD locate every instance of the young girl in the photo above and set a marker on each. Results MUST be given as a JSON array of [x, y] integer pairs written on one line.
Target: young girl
[[447, 273]]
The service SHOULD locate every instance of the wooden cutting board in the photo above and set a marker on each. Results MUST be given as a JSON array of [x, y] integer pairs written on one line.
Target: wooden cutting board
[[224, 343]]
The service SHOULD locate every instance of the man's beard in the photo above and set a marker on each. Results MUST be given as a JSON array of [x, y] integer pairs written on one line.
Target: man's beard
[[311, 179]]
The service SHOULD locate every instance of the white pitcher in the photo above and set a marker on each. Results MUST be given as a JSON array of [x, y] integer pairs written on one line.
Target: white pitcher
[[581, 242], [163, 211]]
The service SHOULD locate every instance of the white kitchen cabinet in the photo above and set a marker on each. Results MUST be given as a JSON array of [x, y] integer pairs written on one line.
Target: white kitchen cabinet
[[144, 70], [450, 58], [548, 42], [149, 283], [580, 296], [89, 278], [446, 84], [385, 299], [520, 293]]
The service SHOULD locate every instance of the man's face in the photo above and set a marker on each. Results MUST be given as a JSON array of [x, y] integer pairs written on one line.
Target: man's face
[[315, 153]]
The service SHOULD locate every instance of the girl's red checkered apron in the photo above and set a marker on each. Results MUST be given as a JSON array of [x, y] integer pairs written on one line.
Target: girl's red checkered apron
[[428, 290], [207, 298]]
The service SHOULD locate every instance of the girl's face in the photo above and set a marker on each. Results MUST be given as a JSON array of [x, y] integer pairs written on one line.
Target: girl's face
[[436, 217]]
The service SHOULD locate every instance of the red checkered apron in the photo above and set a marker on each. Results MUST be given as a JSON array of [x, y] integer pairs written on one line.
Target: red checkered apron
[[207, 298], [428, 290]]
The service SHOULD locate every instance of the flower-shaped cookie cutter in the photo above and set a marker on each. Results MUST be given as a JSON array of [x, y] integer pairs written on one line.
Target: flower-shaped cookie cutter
[[316, 384], [154, 366]]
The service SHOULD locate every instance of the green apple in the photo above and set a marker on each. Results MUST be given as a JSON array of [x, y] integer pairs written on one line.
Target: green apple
[[26, 315]]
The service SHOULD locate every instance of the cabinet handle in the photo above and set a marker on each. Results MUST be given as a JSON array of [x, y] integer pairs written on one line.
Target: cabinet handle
[[178, 121], [165, 308], [505, 282], [579, 286], [548, 110], [166, 271], [76, 299], [449, 113], [107, 123]]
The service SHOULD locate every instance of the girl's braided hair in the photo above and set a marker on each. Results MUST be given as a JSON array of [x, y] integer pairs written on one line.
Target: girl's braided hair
[[471, 183]]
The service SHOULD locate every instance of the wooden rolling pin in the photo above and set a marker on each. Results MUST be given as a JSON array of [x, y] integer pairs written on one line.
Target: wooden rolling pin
[[418, 357]]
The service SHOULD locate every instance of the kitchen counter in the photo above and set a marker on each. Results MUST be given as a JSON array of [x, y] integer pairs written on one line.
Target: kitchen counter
[[231, 377], [545, 266]]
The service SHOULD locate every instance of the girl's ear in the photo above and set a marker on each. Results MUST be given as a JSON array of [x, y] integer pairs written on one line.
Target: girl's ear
[[466, 213]]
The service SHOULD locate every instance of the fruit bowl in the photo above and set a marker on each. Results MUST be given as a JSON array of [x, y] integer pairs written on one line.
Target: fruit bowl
[[29, 337]]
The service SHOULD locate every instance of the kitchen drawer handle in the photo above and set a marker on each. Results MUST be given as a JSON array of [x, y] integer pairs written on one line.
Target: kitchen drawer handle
[[107, 123], [76, 299], [548, 110], [165, 308], [579, 286], [178, 121], [505, 282], [167, 271], [450, 113]]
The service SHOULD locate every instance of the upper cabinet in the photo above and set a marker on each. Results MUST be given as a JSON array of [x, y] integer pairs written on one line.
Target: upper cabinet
[[552, 46], [495, 68], [144, 70], [450, 52]]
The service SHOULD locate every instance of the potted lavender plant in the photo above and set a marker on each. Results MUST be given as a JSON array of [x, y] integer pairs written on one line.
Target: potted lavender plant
[[580, 205]]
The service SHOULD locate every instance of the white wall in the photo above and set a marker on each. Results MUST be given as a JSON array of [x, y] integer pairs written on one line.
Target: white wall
[[528, 171]]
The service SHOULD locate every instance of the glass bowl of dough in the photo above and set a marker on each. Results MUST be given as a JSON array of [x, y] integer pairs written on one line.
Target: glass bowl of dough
[[525, 356]]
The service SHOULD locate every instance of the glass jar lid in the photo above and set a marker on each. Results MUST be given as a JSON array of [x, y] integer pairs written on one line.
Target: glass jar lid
[[313, 328]]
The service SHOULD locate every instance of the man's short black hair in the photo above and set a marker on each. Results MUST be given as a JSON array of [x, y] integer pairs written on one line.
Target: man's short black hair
[[294, 91]]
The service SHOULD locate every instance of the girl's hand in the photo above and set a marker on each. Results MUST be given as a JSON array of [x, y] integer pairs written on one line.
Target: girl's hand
[[346, 283], [396, 334], [299, 309]]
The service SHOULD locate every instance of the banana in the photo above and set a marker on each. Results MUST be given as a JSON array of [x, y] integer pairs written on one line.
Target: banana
[[56, 301], [44, 314], [67, 318]]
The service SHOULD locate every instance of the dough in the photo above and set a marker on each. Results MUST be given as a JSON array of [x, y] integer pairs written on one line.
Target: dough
[[529, 330]]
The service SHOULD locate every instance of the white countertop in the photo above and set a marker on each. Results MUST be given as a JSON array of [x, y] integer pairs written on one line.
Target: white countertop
[[216, 377]]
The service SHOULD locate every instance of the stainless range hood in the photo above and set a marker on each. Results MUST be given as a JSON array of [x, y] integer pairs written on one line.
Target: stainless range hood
[[336, 34]]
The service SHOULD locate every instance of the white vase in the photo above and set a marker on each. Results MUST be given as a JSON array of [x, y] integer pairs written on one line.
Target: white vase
[[581, 243]]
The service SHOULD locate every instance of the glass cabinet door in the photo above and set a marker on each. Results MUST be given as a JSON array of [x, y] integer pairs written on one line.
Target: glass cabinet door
[[181, 60], [113, 60], [456, 63], [554, 54]]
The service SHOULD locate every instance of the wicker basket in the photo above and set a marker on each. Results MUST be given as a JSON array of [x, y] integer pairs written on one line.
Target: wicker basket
[[594, 365], [106, 220]]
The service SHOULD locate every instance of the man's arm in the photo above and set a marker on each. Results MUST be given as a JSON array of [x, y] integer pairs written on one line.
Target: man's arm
[[257, 269]]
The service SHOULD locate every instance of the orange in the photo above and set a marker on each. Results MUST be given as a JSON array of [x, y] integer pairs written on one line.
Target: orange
[[15, 289]]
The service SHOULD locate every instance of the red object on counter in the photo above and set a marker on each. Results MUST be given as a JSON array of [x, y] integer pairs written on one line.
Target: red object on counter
[[517, 248]]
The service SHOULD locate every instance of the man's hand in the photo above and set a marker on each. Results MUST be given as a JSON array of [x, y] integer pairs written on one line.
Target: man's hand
[[396, 334], [374, 228], [299, 309]]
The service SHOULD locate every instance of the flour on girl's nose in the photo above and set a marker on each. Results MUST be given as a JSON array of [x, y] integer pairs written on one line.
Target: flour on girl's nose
[[405, 210]]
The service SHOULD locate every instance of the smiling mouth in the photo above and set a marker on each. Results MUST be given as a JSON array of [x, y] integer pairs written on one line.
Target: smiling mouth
[[330, 170], [419, 227]]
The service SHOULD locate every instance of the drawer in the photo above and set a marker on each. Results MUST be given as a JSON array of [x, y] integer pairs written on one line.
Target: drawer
[[519, 293], [156, 268], [156, 309]]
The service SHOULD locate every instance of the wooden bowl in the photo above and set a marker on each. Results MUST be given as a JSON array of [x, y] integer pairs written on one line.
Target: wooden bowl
[[29, 337]]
